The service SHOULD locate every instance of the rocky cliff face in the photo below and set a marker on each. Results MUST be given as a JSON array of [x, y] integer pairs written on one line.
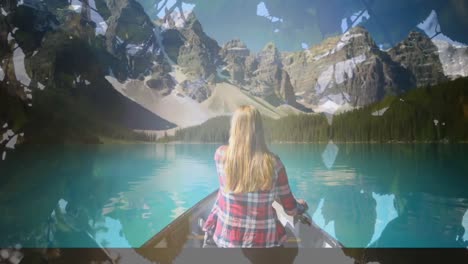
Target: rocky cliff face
[[454, 59], [54, 58], [203, 61], [286, 89], [234, 54], [349, 69], [261, 74], [134, 39], [111, 55], [266, 77], [419, 55], [195, 52]]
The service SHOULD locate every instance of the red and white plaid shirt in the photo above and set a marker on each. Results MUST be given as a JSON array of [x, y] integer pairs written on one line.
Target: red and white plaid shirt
[[248, 219]]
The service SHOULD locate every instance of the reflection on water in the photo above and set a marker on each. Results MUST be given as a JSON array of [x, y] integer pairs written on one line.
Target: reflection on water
[[465, 226], [336, 177], [109, 233], [329, 154], [386, 212], [365, 195], [318, 218]]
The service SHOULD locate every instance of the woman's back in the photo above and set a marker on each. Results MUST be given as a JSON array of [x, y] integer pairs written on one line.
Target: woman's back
[[248, 219], [251, 178]]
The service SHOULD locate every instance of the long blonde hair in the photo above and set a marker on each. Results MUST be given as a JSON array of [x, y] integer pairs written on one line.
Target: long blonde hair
[[248, 164]]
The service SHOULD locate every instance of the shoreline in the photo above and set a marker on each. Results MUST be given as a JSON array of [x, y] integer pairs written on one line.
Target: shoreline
[[111, 141], [322, 142]]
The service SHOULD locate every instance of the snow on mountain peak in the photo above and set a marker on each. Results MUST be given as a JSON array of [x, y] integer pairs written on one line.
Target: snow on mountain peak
[[328, 107], [454, 59]]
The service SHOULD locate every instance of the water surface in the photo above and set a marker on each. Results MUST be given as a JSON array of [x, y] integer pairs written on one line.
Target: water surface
[[365, 195]]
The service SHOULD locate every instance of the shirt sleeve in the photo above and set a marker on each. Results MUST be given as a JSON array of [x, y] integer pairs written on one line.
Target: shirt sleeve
[[212, 218], [210, 222], [218, 158], [219, 153], [284, 193]]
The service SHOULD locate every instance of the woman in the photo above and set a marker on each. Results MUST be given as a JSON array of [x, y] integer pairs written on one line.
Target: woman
[[251, 178]]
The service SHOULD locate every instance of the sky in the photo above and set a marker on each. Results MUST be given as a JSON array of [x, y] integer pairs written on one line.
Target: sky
[[298, 24]]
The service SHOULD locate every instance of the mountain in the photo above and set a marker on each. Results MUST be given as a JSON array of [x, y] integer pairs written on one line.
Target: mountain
[[431, 114], [351, 71], [238, 62], [261, 74], [199, 54], [452, 54], [420, 56], [454, 59], [54, 58], [345, 70], [200, 71], [76, 72]]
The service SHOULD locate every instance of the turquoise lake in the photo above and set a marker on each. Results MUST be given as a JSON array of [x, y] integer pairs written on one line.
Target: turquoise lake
[[365, 195]]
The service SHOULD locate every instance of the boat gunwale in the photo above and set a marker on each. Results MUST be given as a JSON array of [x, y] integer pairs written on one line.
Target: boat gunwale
[[158, 237]]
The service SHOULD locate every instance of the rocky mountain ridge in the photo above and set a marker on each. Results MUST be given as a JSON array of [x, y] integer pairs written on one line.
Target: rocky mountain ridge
[[54, 57], [344, 71], [109, 53], [351, 69], [419, 55]]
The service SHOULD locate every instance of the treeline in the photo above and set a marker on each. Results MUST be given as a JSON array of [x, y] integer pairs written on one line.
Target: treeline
[[425, 114], [294, 128], [297, 128], [213, 130]]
